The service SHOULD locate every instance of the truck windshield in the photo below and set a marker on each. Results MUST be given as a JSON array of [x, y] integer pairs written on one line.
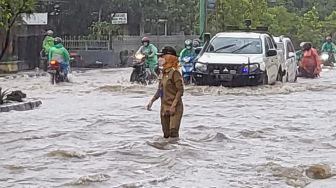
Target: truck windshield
[[235, 45]]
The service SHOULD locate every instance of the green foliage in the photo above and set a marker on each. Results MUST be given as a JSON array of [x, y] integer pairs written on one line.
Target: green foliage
[[105, 29], [286, 17], [301, 20], [10, 10], [310, 28]]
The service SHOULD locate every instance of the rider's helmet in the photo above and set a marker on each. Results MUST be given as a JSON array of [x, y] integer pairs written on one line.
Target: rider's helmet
[[302, 44], [188, 44], [145, 41], [307, 46], [328, 38], [196, 43], [168, 50], [58, 40], [50, 33]]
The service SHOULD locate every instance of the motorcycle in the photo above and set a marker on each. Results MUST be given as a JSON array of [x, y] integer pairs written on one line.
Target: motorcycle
[[328, 59], [141, 74], [57, 75], [187, 69], [307, 70]]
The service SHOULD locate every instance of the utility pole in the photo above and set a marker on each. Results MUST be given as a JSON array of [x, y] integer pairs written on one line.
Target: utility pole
[[142, 19], [202, 18]]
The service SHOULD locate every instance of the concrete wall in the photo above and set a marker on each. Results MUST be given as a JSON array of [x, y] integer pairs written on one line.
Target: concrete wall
[[112, 57], [96, 58]]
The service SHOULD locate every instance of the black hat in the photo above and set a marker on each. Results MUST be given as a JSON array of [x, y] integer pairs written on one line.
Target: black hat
[[167, 50]]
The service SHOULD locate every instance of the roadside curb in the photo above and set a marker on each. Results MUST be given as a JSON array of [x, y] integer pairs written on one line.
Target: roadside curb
[[23, 106]]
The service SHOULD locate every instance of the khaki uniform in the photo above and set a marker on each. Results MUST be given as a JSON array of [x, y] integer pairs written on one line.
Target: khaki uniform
[[171, 86]]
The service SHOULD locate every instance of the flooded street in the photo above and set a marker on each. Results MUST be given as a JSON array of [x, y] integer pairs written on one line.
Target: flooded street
[[95, 132]]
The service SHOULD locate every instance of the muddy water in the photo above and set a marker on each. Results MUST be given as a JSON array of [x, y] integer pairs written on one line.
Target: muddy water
[[95, 132]]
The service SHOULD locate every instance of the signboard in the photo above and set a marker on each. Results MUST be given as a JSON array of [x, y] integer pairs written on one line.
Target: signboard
[[211, 4], [35, 19], [119, 18]]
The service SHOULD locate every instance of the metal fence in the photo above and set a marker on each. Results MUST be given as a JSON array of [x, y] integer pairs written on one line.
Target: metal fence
[[85, 43]]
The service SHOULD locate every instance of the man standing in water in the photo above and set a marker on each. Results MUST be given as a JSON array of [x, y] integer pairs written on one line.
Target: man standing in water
[[170, 91]]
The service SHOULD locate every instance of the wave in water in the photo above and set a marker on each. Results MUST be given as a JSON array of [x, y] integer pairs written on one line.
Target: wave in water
[[90, 179], [66, 154], [144, 183]]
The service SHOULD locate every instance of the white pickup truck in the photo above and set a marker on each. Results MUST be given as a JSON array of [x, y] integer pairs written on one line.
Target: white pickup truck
[[238, 59]]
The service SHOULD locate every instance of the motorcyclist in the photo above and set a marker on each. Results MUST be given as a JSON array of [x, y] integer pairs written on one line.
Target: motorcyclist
[[310, 65], [48, 42], [188, 51], [60, 54], [150, 52], [328, 46], [196, 43]]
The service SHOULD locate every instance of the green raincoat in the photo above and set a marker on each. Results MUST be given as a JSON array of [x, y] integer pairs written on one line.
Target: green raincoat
[[151, 52], [48, 43], [59, 53], [328, 47], [186, 53]]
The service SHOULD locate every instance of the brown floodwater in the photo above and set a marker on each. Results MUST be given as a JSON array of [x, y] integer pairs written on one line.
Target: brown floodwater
[[95, 132]]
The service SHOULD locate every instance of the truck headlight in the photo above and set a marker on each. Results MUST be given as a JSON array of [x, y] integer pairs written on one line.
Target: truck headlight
[[201, 67], [252, 68]]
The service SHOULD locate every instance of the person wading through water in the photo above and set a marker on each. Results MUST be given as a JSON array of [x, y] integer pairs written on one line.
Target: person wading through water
[[170, 91]]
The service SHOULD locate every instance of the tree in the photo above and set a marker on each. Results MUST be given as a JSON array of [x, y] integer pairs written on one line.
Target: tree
[[329, 24], [282, 22], [310, 28], [10, 11], [104, 29]]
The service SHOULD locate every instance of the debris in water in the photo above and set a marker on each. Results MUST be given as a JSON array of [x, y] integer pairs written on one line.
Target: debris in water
[[319, 171], [252, 134], [220, 137], [86, 180], [14, 167], [292, 175]]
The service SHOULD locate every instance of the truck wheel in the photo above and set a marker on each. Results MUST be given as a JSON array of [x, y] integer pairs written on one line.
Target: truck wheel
[[265, 79], [53, 79], [296, 75], [280, 76], [133, 77]]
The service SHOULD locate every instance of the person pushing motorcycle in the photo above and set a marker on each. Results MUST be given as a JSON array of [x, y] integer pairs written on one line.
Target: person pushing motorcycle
[[310, 65]]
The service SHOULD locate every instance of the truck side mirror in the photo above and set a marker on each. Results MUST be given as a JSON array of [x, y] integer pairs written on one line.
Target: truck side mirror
[[291, 54], [272, 52], [207, 37], [198, 50]]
